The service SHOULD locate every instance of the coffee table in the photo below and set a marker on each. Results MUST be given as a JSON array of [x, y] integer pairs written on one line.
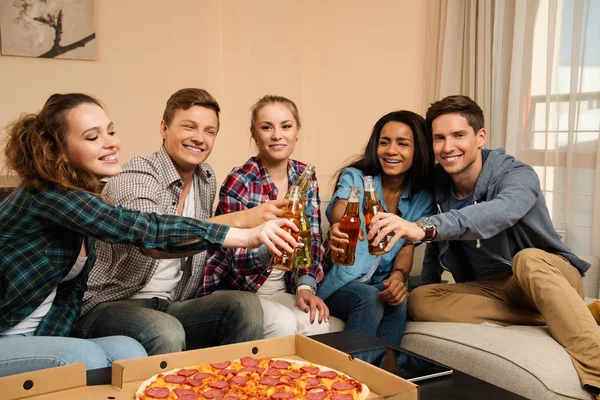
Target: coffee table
[[458, 385]]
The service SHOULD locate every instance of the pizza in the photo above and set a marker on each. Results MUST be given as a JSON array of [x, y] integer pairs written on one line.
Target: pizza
[[253, 378]]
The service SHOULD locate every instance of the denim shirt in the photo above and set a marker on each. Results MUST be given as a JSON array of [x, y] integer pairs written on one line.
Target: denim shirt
[[411, 206]]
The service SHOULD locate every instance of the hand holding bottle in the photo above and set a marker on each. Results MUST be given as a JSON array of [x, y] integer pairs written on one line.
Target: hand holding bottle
[[274, 234]]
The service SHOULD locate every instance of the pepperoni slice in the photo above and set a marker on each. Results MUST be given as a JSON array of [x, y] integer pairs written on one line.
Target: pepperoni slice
[[174, 378], [221, 365], [240, 380], [293, 374], [342, 386], [227, 372], [182, 392], [219, 384], [249, 362], [280, 383], [312, 380], [282, 395], [280, 364], [310, 370], [202, 375], [273, 372], [158, 392], [260, 370], [193, 382], [187, 397], [327, 374], [267, 380], [186, 372], [342, 397], [213, 394], [315, 395], [314, 387]]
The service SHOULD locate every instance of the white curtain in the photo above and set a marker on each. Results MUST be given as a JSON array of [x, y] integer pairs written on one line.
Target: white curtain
[[459, 57]]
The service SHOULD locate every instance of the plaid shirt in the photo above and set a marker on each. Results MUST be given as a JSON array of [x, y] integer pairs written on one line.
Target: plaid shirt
[[41, 233], [249, 186], [150, 184]]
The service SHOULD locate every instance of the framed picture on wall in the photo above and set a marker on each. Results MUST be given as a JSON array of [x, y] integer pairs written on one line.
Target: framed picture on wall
[[48, 28]]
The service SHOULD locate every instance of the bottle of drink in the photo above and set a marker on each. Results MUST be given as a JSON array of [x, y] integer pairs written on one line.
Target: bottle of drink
[[292, 212], [303, 257], [350, 225], [371, 207]]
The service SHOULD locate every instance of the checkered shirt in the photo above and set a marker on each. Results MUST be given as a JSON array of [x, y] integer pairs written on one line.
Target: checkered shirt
[[41, 233], [249, 186], [150, 184]]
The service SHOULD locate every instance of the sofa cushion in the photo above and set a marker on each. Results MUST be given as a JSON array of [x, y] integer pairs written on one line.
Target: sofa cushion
[[336, 324], [522, 359]]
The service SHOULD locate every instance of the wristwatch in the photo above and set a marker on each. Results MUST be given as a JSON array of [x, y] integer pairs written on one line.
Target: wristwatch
[[428, 226]]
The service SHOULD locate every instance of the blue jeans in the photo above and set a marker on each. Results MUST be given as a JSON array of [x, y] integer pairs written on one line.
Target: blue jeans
[[361, 308], [162, 326], [25, 353]]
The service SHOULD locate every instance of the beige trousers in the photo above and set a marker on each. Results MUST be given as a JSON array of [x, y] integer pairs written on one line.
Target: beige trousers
[[542, 289]]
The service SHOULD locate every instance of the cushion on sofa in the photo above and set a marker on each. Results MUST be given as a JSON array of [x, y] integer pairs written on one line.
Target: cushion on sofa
[[522, 359]]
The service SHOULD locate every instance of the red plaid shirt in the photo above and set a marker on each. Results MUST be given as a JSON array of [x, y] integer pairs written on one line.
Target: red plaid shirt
[[247, 269]]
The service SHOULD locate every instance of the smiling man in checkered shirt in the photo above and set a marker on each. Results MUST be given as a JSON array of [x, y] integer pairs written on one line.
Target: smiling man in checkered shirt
[[155, 301]]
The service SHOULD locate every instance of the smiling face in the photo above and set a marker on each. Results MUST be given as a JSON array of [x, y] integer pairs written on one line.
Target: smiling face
[[91, 141], [456, 146], [190, 137], [395, 149], [275, 131]]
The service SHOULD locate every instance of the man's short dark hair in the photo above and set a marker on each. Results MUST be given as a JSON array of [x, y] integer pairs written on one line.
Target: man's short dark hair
[[458, 104]]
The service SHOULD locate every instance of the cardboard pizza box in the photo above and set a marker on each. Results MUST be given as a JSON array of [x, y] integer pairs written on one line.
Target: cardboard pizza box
[[69, 382]]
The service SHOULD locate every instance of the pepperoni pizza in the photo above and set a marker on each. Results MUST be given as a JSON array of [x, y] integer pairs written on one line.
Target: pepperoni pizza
[[253, 378]]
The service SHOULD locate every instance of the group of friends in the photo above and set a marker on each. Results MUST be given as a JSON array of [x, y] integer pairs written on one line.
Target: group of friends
[[142, 266]]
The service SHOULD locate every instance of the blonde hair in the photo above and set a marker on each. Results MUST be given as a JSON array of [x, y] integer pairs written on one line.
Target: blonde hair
[[272, 99], [36, 146]]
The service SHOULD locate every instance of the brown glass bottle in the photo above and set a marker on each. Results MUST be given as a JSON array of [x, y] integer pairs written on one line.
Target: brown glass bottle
[[292, 212], [350, 225], [371, 207]]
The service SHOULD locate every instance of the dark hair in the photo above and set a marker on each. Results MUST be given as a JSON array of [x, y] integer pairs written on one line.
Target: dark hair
[[185, 99], [36, 146], [272, 99], [420, 173], [458, 104]]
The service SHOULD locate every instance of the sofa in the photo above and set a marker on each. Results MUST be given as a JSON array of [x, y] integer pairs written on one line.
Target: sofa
[[522, 359]]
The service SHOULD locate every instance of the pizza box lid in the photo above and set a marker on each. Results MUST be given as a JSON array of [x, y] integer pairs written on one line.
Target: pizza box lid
[[69, 382]]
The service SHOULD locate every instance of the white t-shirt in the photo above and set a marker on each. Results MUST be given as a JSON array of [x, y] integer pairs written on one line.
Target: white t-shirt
[[33, 320], [169, 271], [274, 283]]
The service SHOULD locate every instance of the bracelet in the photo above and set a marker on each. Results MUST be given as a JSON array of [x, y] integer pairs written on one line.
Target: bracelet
[[404, 275], [307, 287]]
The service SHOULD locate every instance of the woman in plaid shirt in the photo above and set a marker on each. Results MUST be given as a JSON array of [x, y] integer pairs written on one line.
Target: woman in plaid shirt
[[47, 231], [288, 298]]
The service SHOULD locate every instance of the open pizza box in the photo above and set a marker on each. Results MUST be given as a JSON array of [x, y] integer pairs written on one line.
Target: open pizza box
[[69, 382]]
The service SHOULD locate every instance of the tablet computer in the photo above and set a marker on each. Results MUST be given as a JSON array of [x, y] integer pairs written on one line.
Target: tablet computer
[[403, 363]]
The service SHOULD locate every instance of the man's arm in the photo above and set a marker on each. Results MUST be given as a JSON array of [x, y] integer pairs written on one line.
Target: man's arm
[[518, 192], [252, 217]]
